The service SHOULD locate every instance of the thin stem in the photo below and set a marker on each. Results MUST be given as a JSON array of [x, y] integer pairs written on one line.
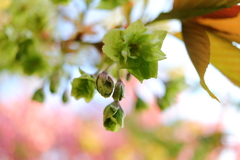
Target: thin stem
[[118, 74], [107, 68]]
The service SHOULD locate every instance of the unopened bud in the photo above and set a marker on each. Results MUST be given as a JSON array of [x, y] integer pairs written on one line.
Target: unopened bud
[[65, 97], [118, 93], [113, 117], [54, 82], [38, 95], [104, 84]]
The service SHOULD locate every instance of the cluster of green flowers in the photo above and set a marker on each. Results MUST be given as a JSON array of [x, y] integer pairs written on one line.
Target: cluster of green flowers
[[136, 49], [113, 114], [84, 87]]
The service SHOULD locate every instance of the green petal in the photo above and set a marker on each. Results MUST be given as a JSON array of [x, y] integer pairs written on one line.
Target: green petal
[[154, 54], [145, 71], [119, 117], [125, 52], [111, 52], [131, 63], [161, 36], [109, 111], [135, 28], [142, 39], [113, 37], [113, 41], [128, 37]]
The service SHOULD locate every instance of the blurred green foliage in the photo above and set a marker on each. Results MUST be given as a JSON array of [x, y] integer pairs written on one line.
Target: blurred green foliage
[[111, 4], [140, 105], [172, 88], [162, 138], [39, 95], [61, 1], [25, 37], [206, 144]]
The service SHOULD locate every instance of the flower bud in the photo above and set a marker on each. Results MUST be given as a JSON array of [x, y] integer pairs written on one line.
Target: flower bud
[[104, 84], [118, 93], [113, 117], [54, 82], [65, 97], [38, 95]]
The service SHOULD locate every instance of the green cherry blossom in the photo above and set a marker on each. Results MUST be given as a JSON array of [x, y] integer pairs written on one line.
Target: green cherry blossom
[[136, 48], [83, 87]]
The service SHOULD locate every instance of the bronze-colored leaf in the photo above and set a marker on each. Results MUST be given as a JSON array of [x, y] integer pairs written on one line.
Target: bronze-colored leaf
[[224, 13], [183, 9], [229, 37], [225, 57], [228, 25], [198, 47], [196, 4]]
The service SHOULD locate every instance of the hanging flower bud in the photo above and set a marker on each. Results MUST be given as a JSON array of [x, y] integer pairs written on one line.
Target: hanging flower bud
[[65, 96], [113, 117], [54, 81], [38, 95], [118, 93], [104, 84]]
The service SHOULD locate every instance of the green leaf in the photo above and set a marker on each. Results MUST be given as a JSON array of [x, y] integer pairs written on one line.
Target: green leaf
[[146, 70], [198, 47], [83, 87]]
